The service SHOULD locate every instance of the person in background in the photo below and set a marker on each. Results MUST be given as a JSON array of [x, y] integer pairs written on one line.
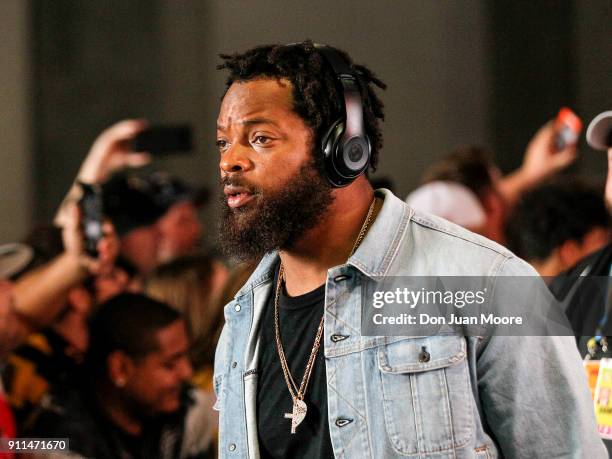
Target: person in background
[[191, 286], [37, 298], [587, 304], [127, 199], [474, 168], [584, 289], [49, 357], [129, 202], [180, 226], [132, 400], [555, 225], [155, 215], [13, 258]]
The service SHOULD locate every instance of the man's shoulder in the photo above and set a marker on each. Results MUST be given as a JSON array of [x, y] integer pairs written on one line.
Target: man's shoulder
[[449, 249], [455, 235]]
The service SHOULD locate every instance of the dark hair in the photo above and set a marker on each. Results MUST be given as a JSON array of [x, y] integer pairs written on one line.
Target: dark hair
[[128, 322], [316, 96], [553, 213], [470, 166], [186, 284]]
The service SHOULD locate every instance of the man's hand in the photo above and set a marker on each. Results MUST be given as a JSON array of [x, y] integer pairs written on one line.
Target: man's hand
[[541, 159], [111, 152], [74, 246]]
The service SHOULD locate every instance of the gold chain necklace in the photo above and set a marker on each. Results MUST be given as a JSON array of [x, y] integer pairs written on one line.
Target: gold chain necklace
[[297, 393]]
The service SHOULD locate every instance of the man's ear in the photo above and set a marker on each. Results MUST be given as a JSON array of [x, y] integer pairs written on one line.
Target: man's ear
[[120, 368]]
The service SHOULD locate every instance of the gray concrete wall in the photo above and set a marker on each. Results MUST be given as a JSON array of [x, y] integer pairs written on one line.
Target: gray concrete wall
[[430, 54], [97, 62], [157, 59], [15, 147]]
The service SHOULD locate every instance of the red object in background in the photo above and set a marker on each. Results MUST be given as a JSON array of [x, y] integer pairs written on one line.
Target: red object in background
[[568, 127], [7, 424]]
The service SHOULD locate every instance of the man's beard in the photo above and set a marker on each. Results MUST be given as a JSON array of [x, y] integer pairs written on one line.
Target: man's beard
[[274, 220]]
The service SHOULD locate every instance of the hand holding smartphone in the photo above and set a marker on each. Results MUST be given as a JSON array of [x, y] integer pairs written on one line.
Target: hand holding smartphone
[[92, 216], [567, 127]]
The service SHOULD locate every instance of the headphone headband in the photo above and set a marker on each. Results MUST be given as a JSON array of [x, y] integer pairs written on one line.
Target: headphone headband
[[352, 95], [346, 147]]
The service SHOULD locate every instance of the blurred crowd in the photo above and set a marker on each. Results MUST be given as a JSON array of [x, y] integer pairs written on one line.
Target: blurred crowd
[[114, 347]]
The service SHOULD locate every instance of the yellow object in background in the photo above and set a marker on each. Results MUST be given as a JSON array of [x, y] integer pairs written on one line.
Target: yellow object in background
[[603, 399]]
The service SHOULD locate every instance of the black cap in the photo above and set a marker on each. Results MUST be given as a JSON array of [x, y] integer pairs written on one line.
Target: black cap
[[169, 190], [130, 202]]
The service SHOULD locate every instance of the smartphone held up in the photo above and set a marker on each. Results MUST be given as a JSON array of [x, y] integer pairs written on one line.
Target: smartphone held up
[[164, 139], [567, 127]]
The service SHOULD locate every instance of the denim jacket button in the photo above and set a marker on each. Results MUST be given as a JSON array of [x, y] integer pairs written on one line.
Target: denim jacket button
[[341, 422], [341, 277], [424, 356], [237, 308], [336, 338], [231, 447], [234, 364]]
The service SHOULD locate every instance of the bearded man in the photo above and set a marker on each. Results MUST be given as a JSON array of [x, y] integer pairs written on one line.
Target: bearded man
[[297, 129]]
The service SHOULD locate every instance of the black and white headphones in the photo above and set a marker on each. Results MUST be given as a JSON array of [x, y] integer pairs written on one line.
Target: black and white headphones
[[346, 147]]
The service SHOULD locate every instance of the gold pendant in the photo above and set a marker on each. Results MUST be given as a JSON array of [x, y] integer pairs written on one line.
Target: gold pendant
[[298, 414]]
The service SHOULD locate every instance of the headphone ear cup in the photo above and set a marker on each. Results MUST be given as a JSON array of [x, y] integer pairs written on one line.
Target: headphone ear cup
[[344, 159], [331, 139], [329, 146]]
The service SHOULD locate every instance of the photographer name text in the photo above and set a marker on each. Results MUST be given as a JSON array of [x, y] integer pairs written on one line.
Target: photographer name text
[[452, 319]]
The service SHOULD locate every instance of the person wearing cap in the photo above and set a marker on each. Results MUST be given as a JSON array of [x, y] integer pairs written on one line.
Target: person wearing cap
[[474, 168], [452, 201], [586, 306], [584, 288], [129, 202], [136, 212], [136, 204], [180, 225]]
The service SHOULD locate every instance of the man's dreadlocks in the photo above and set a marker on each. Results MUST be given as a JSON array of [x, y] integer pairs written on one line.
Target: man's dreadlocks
[[316, 96]]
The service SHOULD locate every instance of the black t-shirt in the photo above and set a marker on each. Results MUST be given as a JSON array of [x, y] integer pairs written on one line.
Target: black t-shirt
[[299, 319]]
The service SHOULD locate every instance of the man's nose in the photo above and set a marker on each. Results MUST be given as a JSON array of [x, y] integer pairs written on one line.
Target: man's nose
[[235, 159]]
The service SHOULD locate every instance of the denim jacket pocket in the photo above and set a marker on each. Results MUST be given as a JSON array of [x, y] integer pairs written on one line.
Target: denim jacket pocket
[[427, 399]]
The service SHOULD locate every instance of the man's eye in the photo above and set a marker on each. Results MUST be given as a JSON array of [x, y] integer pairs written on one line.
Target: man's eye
[[221, 144], [261, 139]]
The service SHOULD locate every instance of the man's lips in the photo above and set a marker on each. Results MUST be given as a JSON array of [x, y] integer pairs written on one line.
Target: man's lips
[[237, 196]]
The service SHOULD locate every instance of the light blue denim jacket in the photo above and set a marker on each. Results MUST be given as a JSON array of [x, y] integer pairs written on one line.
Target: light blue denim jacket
[[502, 397]]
